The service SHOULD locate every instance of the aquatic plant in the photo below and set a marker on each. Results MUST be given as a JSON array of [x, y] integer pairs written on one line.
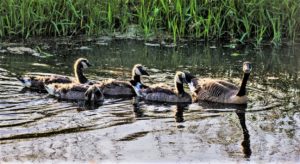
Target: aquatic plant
[[243, 21]]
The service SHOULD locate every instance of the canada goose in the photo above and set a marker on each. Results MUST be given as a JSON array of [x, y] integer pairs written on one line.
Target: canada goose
[[221, 91], [37, 81], [123, 88], [110, 88], [164, 93], [74, 91]]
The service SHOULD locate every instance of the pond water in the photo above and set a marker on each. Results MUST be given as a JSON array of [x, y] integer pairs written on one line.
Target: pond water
[[35, 127]]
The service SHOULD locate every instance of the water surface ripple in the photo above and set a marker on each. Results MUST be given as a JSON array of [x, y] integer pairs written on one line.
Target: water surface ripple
[[35, 127]]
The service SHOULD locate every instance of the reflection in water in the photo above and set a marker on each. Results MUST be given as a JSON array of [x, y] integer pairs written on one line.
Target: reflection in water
[[180, 108], [246, 142], [136, 107], [240, 110], [35, 127]]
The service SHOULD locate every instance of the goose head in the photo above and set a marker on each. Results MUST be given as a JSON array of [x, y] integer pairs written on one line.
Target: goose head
[[247, 67], [82, 63], [94, 94], [183, 77], [139, 70], [26, 81]]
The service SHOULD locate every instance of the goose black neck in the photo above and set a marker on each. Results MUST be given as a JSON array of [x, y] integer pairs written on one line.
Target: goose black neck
[[242, 90], [137, 78], [79, 75], [179, 87]]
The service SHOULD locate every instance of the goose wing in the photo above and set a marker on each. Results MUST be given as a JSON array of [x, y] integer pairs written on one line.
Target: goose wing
[[159, 88], [227, 84], [116, 83], [70, 87], [214, 90]]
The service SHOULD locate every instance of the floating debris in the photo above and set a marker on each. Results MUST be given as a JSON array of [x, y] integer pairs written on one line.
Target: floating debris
[[235, 54], [40, 64], [3, 51], [170, 45], [213, 47], [84, 48], [272, 78], [21, 50], [102, 43], [233, 46], [152, 44]]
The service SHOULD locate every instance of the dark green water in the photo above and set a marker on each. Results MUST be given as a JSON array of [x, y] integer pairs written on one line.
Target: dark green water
[[35, 127]]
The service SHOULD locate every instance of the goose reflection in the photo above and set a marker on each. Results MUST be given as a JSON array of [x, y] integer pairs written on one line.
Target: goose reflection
[[246, 142], [136, 107], [180, 108], [240, 111]]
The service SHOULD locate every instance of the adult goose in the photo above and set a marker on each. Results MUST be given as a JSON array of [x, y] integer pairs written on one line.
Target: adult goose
[[221, 91], [118, 88], [37, 81], [110, 88], [165, 94]]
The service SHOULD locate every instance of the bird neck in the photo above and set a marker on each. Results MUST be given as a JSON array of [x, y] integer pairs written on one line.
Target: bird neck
[[179, 88], [79, 75], [136, 78], [242, 90]]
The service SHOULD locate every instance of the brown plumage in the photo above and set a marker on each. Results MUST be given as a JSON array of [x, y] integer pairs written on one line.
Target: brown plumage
[[116, 88], [110, 88], [37, 81], [166, 94], [221, 91], [74, 91]]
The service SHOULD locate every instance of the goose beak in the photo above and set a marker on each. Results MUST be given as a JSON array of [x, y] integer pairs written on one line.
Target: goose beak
[[191, 86], [247, 67], [185, 80], [89, 64], [143, 72], [189, 77]]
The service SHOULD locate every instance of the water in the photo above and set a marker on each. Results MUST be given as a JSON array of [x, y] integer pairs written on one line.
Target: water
[[35, 127]]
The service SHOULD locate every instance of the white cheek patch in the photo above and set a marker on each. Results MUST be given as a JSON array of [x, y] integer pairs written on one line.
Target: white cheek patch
[[137, 71], [27, 83], [84, 65], [178, 80], [191, 86], [50, 90]]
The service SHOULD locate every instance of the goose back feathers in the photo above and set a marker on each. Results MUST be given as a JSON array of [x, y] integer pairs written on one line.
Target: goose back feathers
[[221, 91], [164, 93], [74, 91], [37, 81]]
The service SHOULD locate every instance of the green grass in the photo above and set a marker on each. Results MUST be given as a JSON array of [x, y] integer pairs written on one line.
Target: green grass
[[245, 21]]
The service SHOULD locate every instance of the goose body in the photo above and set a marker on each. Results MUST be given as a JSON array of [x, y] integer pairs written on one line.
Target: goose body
[[221, 91], [74, 91], [112, 88], [165, 94], [116, 88], [109, 88], [37, 81]]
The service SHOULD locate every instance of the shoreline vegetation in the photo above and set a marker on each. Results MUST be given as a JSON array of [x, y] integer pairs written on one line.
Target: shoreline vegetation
[[238, 21]]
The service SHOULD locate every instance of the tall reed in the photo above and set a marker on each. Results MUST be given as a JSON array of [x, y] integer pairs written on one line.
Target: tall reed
[[255, 21]]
